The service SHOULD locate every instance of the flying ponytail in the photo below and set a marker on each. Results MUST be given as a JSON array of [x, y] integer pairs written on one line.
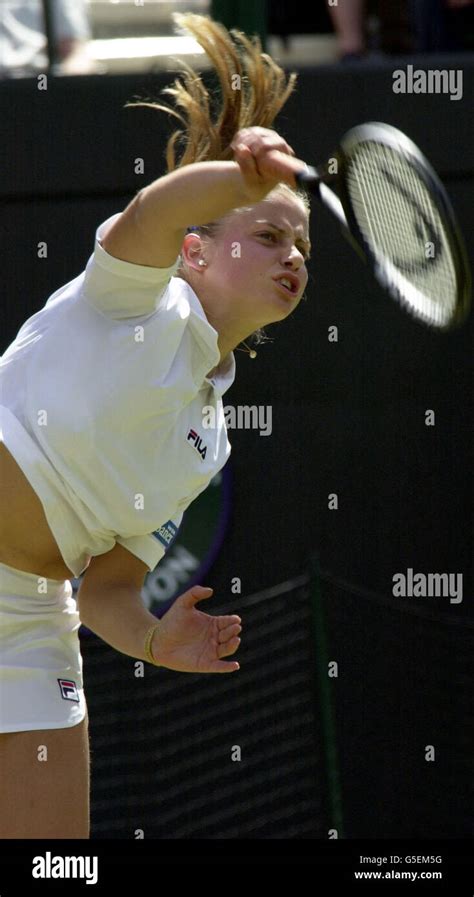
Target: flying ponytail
[[252, 91]]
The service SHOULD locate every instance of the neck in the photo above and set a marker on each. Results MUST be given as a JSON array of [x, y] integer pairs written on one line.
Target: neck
[[230, 328], [229, 337], [219, 363]]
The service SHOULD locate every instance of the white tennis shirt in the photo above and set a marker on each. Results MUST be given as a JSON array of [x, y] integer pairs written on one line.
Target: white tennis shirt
[[101, 404]]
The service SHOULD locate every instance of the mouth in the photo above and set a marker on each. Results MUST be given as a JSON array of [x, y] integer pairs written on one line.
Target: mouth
[[288, 285]]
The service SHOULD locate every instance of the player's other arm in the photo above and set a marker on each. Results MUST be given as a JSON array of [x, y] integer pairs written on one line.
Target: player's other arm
[[187, 640], [110, 603]]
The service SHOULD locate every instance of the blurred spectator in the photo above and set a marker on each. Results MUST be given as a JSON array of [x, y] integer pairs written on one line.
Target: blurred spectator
[[439, 24], [349, 19], [23, 43], [409, 25]]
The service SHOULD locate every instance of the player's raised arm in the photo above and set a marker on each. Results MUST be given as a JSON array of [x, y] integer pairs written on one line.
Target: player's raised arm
[[151, 229], [231, 162]]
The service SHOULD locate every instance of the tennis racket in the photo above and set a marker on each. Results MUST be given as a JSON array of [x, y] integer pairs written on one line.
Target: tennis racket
[[397, 215]]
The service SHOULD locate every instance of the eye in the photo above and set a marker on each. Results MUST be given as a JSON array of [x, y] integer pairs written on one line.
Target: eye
[[268, 233]]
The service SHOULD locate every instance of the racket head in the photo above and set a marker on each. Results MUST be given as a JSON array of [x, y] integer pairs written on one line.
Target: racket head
[[399, 214]]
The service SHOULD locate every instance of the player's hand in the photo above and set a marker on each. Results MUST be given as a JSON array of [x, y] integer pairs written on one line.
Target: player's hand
[[189, 641], [264, 159]]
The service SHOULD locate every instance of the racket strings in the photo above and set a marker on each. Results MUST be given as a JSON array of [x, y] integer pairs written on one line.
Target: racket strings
[[401, 224]]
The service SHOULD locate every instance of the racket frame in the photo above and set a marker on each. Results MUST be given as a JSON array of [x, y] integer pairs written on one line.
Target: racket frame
[[332, 190]]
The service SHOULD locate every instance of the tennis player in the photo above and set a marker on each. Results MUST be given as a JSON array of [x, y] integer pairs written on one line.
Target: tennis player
[[102, 443]]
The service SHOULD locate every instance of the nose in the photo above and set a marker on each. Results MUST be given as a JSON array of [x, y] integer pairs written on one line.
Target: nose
[[293, 257]]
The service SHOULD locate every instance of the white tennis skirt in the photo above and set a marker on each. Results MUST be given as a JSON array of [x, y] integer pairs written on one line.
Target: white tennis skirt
[[41, 684]]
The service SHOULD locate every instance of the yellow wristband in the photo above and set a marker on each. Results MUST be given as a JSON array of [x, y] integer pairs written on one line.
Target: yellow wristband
[[148, 641]]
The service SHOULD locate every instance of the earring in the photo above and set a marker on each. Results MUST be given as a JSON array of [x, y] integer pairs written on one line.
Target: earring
[[251, 352], [202, 262]]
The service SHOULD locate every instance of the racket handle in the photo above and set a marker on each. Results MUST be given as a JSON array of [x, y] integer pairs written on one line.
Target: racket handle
[[309, 178]]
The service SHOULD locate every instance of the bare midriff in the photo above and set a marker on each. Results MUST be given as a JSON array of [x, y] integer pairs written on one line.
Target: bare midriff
[[26, 540]]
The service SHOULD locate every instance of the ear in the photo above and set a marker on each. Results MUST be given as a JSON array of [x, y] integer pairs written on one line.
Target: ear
[[192, 252]]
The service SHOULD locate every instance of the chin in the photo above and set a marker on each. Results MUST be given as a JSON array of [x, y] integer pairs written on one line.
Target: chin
[[285, 311], [275, 319]]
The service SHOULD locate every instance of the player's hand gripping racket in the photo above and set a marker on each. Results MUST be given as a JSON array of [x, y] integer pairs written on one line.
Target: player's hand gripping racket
[[398, 216]]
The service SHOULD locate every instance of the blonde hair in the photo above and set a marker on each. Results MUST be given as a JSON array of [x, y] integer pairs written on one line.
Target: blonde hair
[[253, 89]]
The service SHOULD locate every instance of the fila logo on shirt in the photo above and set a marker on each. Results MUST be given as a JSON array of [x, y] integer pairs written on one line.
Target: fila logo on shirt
[[68, 690], [197, 443]]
